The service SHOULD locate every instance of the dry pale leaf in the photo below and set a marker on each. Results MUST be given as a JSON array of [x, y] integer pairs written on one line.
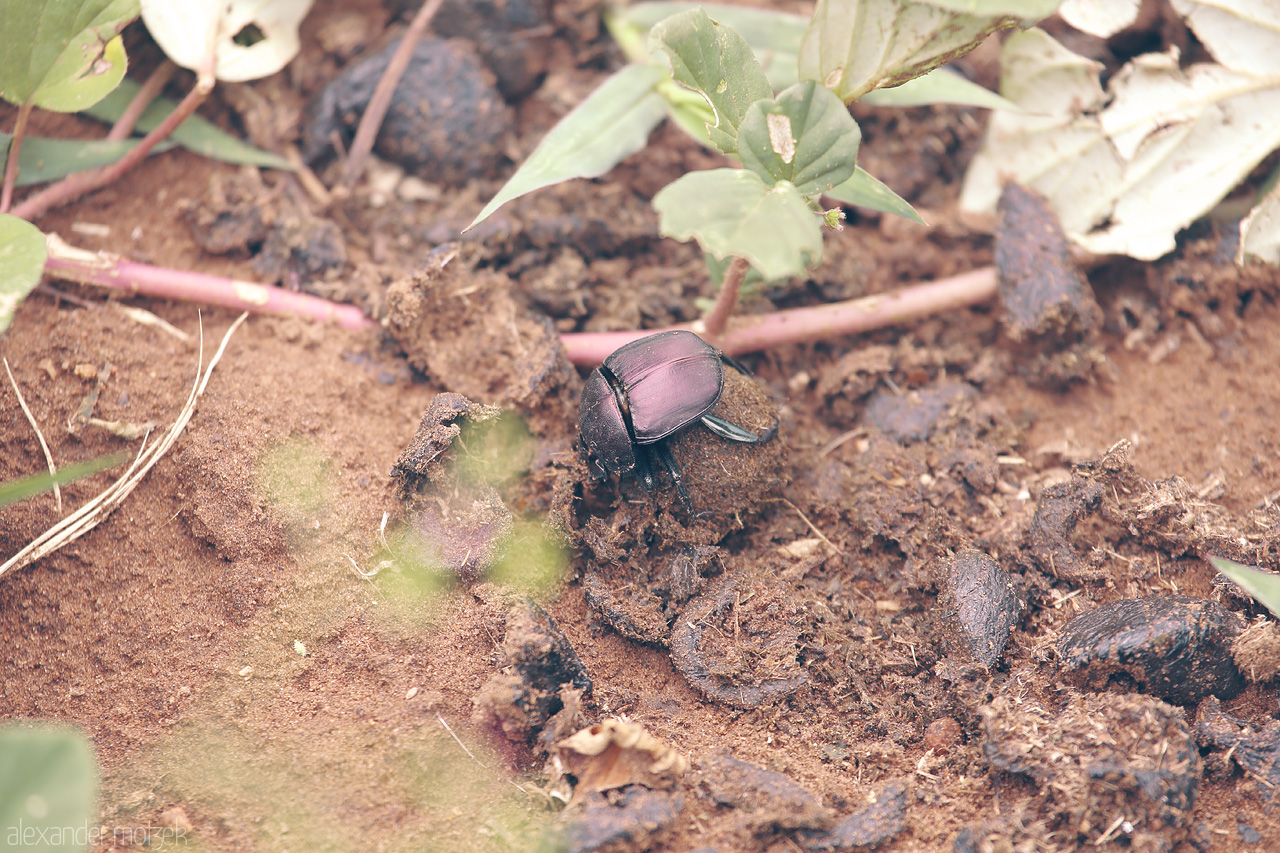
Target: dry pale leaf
[[616, 753]]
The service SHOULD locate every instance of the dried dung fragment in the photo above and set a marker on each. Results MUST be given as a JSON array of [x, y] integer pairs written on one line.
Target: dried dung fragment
[[917, 414], [446, 122], [738, 642], [1060, 508], [616, 753], [461, 327], [1050, 310], [230, 218], [512, 36], [537, 667], [1257, 651], [1101, 756], [300, 251], [1173, 646], [765, 800], [1257, 751], [873, 825], [424, 461], [631, 820], [978, 606]]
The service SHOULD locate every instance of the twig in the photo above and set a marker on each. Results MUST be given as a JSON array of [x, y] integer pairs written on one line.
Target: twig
[[88, 516], [812, 527], [148, 92], [714, 321], [797, 325], [377, 107], [458, 740], [48, 457], [74, 186], [15, 145], [107, 270]]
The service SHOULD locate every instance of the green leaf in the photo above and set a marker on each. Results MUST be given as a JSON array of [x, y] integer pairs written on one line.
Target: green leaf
[[939, 86], [43, 159], [1264, 586], [774, 36], [62, 55], [805, 136], [22, 256], [863, 190], [613, 123], [28, 487], [48, 784], [716, 61], [195, 134], [732, 212], [854, 46]]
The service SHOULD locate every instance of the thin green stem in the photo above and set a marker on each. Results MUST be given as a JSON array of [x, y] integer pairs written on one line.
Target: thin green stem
[[11, 165]]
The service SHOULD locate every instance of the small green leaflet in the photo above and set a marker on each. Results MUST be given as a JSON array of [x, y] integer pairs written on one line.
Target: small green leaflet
[[733, 212], [1264, 586], [805, 136], [863, 190], [48, 788], [717, 62]]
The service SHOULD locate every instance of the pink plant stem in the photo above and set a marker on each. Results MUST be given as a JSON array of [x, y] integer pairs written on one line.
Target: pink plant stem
[[109, 271], [820, 322], [377, 107], [11, 165], [74, 186], [147, 92], [715, 321]]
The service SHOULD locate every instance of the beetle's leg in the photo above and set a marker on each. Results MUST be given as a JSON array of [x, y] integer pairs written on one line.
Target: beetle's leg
[[735, 364], [733, 432], [663, 454], [644, 468]]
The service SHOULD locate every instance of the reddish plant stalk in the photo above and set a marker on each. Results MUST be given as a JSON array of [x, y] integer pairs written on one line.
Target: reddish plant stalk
[[378, 105], [107, 270], [15, 145], [819, 322], [74, 186], [148, 92], [716, 320]]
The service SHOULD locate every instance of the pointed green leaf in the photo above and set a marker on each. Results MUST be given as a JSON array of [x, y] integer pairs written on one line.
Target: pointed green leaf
[[195, 134], [805, 136], [48, 784], [22, 257], [62, 55], [613, 123], [1264, 586], [774, 36], [43, 159], [27, 487], [939, 86], [862, 190], [716, 61], [732, 212]]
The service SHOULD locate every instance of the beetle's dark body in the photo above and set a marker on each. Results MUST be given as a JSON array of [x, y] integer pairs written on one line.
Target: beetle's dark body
[[646, 392]]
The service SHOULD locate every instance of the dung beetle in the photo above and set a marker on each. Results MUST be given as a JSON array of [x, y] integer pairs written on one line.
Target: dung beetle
[[646, 392]]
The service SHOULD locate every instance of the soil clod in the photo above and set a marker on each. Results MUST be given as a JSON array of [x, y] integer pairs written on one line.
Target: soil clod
[[866, 828]]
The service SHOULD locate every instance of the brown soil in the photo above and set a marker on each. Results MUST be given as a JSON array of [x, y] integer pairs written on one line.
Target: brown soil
[[241, 640]]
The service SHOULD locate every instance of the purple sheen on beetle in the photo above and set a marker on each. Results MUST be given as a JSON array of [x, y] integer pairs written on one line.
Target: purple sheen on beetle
[[670, 380]]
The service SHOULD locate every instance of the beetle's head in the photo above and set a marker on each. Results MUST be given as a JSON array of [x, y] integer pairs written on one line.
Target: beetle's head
[[604, 429]]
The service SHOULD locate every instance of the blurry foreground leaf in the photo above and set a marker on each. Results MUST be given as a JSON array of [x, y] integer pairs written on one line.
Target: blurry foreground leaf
[[1127, 170], [611, 124], [733, 212], [1264, 586], [532, 562], [62, 55], [27, 487], [251, 38], [43, 159], [863, 190], [195, 134], [1100, 18], [48, 785], [22, 256]]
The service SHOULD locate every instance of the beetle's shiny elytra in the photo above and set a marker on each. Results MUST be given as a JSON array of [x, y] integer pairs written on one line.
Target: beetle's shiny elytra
[[649, 390]]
